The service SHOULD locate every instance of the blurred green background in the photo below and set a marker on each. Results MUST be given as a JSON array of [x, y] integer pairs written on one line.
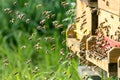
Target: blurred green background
[[32, 40]]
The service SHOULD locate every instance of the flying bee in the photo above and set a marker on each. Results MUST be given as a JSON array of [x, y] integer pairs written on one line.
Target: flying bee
[[63, 32], [6, 62], [23, 47], [46, 12], [15, 73], [12, 20], [51, 73], [63, 42], [64, 72], [20, 16], [98, 12], [53, 15], [39, 39], [31, 37], [28, 61], [38, 6], [26, 4], [15, 3], [59, 26], [60, 60], [39, 27], [70, 76], [107, 3], [42, 22], [35, 70], [8, 10], [64, 4], [112, 16], [27, 20]]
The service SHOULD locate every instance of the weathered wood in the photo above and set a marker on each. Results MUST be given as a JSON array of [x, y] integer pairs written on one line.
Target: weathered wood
[[73, 44], [108, 21], [100, 63], [119, 68], [70, 33], [113, 55], [87, 18], [112, 6], [108, 64]]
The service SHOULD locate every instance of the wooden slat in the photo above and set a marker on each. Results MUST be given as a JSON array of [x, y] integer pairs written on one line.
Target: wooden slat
[[113, 55], [109, 20], [112, 6], [103, 64], [86, 16], [73, 44], [119, 68]]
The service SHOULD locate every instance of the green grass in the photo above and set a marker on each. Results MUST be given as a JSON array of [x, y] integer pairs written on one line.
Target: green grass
[[26, 63]]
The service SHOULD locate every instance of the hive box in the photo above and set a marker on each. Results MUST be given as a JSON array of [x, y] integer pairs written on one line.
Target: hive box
[[112, 6], [84, 25], [108, 21]]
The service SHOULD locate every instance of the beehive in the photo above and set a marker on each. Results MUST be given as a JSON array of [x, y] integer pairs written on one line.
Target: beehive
[[86, 17], [98, 28]]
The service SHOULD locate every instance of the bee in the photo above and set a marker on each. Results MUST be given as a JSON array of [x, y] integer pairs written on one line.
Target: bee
[[119, 27], [12, 20], [64, 72], [28, 61], [106, 20], [27, 20], [31, 37], [70, 76], [35, 70], [64, 4], [20, 16], [6, 62], [15, 73], [23, 47], [83, 16], [51, 73], [112, 16], [60, 60], [84, 12], [59, 26], [46, 12], [39, 39], [26, 4], [38, 6], [42, 22], [85, 20], [53, 15], [15, 3], [107, 3], [39, 27], [8, 10], [85, 31], [98, 12]]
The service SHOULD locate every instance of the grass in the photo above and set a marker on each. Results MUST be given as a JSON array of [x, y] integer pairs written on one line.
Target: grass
[[25, 61]]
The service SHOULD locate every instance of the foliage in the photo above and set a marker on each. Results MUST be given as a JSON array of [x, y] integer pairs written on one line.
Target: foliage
[[32, 40]]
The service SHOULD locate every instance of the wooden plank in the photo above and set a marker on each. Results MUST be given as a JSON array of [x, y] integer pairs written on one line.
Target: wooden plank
[[73, 44], [103, 64], [108, 21], [84, 15], [119, 68], [87, 19], [112, 6], [113, 55]]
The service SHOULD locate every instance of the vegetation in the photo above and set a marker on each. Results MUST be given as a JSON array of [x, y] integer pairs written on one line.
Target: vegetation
[[32, 40]]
